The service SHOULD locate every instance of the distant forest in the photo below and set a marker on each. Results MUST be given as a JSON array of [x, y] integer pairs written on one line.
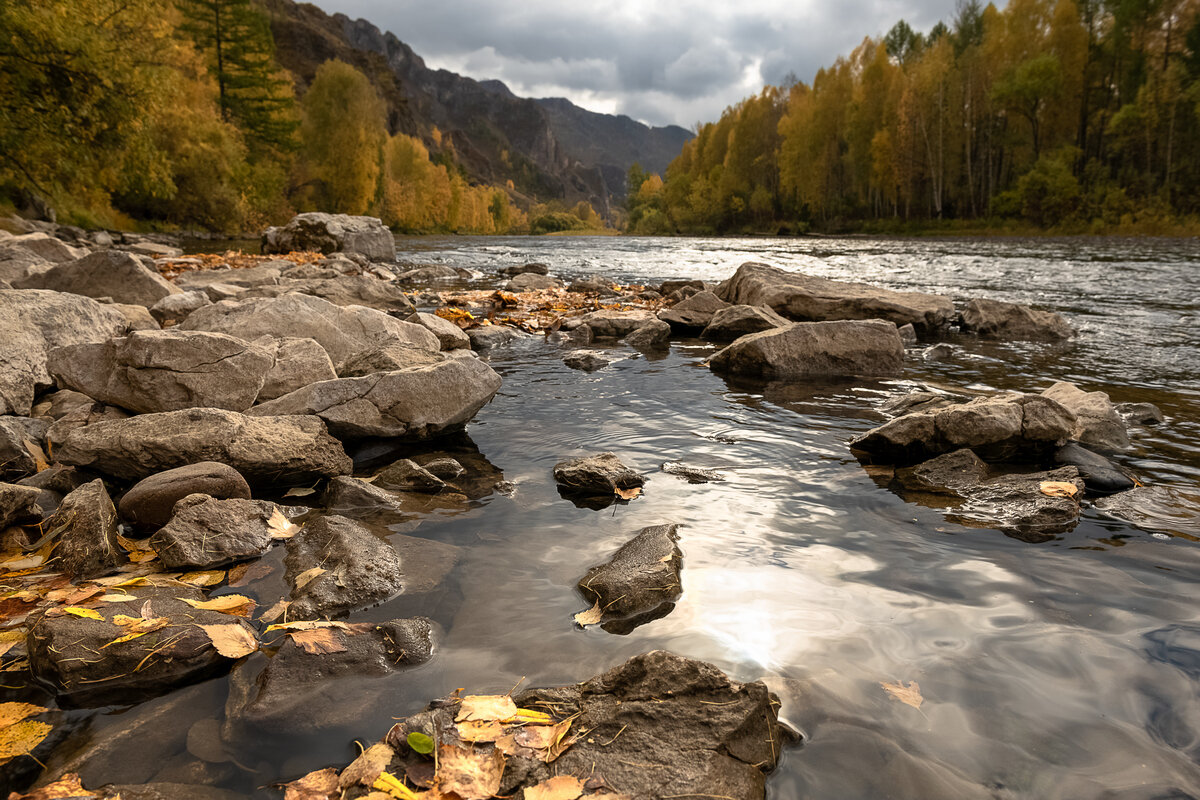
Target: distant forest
[[1050, 113]]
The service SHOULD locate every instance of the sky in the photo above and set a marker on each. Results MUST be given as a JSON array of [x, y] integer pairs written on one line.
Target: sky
[[679, 62]]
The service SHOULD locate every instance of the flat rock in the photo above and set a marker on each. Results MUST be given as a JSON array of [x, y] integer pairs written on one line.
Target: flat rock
[[296, 363], [151, 501], [63, 649], [243, 278], [387, 358], [206, 533], [1002, 428], [586, 360], [639, 579], [522, 269], [354, 498], [358, 290], [415, 403], [532, 282], [1016, 505], [448, 334], [19, 505], [694, 314], [808, 298], [899, 405], [995, 319], [87, 539], [951, 473], [654, 335], [608, 324], [284, 450], [175, 308], [1100, 475], [815, 350], [34, 322], [106, 273], [733, 322], [430, 274], [332, 233], [152, 371], [1097, 423], [342, 330], [601, 474]]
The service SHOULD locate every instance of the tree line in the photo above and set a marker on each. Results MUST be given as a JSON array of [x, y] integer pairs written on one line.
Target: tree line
[[1067, 114], [175, 112]]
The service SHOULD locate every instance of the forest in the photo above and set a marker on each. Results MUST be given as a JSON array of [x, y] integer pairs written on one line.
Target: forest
[[1078, 116]]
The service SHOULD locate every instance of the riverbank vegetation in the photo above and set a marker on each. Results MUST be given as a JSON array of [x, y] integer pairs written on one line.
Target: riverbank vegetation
[[1077, 116]]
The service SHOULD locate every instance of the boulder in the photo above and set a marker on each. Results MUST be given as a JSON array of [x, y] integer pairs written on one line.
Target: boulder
[[356, 290], [601, 474], [138, 318], [22, 441], [586, 360], [815, 350], [1140, 413], [342, 330], [152, 371], [32, 323], [808, 298], [45, 246], [592, 284], [17, 263], [1097, 423], [206, 533], [299, 693], [265, 450], [387, 358], [608, 324], [296, 364], [19, 505], [332, 233], [266, 274], [63, 649], [415, 403], [56, 434], [407, 475], [654, 335], [448, 334], [532, 282], [486, 337], [1016, 504], [667, 287], [693, 315], [641, 577], [1002, 428], [151, 501], [908, 334], [952, 473], [355, 498], [86, 522], [1100, 475], [734, 322], [175, 308], [52, 485], [995, 319], [57, 405], [522, 269], [106, 273], [430, 274]]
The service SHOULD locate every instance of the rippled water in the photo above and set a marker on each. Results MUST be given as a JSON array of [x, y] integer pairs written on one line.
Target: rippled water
[[1066, 669]]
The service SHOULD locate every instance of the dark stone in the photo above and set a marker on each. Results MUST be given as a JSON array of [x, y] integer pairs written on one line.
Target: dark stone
[[1016, 505], [953, 473], [653, 335], [357, 499], [445, 468], [1100, 475], [16, 460], [938, 352], [407, 475], [1140, 413], [359, 569], [734, 322], [205, 533], [600, 474], [19, 505], [149, 504], [586, 360], [522, 269], [87, 524], [641, 576]]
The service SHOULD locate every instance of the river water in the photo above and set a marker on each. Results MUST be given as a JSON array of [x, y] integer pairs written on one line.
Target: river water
[[1066, 669]]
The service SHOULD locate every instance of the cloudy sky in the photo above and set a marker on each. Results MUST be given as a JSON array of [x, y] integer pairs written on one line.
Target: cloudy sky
[[677, 62]]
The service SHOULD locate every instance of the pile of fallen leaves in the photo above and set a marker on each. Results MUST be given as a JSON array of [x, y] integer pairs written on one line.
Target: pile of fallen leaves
[[541, 311], [463, 761], [231, 259]]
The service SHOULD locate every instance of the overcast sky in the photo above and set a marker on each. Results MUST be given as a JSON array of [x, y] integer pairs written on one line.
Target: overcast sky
[[678, 62]]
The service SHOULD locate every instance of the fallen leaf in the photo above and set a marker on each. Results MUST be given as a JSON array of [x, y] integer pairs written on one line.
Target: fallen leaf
[[243, 574], [590, 617], [560, 787], [12, 713], [231, 641], [307, 577], [137, 626], [486, 707], [275, 612], [628, 494], [300, 492], [68, 786], [38, 455], [319, 785], [470, 772], [318, 641], [391, 786], [367, 768], [21, 738], [210, 577], [281, 527], [312, 624], [237, 605], [1058, 488], [909, 695], [420, 743], [74, 595], [77, 611], [10, 639], [480, 730]]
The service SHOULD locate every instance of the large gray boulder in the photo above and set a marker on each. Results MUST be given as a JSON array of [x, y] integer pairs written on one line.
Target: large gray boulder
[[387, 358], [996, 319], [296, 364], [693, 314], [151, 371], [415, 403], [639, 580], [610, 324], [174, 308], [355, 290], [206, 533], [265, 450], [332, 233], [815, 350], [45, 246], [32, 323], [1001, 428], [811, 299], [151, 501], [734, 322], [450, 335], [1097, 423], [106, 273], [342, 330]]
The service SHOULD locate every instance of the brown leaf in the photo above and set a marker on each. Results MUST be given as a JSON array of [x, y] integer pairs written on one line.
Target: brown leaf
[[319, 785], [231, 641], [68, 786], [237, 605], [628, 494], [367, 768], [307, 577], [38, 455], [275, 612], [1058, 489], [480, 730], [243, 574], [10, 639], [473, 773], [560, 787], [318, 642], [208, 577], [590, 617], [486, 707], [281, 527], [909, 695]]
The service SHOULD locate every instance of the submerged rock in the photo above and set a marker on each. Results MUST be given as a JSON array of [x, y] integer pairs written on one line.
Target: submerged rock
[[999, 320], [811, 299], [1172, 510], [640, 582], [815, 350], [522, 269], [151, 501], [609, 324], [586, 360], [692, 474], [1097, 423], [407, 475], [1140, 413], [355, 498], [332, 233], [205, 533], [953, 473]]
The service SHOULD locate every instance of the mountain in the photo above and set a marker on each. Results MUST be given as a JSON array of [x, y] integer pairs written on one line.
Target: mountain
[[549, 148]]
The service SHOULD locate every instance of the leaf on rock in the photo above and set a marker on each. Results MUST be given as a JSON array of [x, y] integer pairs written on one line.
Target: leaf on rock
[[590, 617], [319, 785], [1058, 489], [473, 773], [68, 786], [367, 768], [308, 576], [37, 454], [208, 577], [318, 641], [420, 743], [486, 707], [480, 730], [909, 695], [311, 624], [21, 738], [76, 611], [300, 491], [237, 605], [560, 787], [137, 626], [628, 494], [231, 641], [12, 713], [281, 527], [10, 639], [74, 595]]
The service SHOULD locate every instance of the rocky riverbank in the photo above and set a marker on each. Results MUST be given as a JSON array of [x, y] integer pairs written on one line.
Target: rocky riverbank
[[169, 422]]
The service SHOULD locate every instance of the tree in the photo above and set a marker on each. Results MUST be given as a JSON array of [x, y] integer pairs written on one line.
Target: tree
[[1028, 88]]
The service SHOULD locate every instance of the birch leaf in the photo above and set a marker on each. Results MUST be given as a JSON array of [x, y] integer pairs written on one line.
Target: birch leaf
[[909, 695]]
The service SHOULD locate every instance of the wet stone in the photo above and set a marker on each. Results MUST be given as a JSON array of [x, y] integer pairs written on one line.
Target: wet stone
[[586, 360], [1100, 475], [151, 501], [640, 579], [407, 475], [205, 533], [600, 474]]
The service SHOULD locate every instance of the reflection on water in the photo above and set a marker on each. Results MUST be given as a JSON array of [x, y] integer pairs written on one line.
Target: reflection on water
[[1065, 669]]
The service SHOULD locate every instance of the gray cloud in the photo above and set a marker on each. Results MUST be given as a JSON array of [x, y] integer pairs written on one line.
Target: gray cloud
[[679, 62]]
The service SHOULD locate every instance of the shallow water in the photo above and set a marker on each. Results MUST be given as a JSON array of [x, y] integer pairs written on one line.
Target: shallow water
[[1066, 669]]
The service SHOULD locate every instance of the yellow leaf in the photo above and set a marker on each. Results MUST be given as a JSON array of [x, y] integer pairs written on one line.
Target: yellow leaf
[[318, 641], [367, 768], [10, 639], [281, 527], [391, 785], [308, 576], [628, 494], [909, 695], [78, 611], [236, 604], [38, 455], [12, 713], [275, 612], [560, 787], [21, 739], [480, 730], [486, 707], [590, 617], [1058, 488], [68, 786], [231, 641], [203, 578], [471, 773]]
